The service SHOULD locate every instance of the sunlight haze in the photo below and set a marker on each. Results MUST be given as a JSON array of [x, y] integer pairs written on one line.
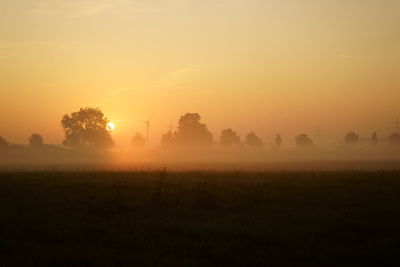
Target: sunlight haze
[[267, 66]]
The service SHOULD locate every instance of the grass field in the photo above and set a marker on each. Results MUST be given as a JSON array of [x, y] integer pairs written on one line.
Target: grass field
[[200, 218]]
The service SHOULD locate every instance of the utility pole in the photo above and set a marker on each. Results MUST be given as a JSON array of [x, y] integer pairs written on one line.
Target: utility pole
[[147, 133], [317, 133], [147, 129]]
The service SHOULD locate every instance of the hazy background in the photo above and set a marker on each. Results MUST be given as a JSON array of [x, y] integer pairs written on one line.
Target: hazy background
[[267, 66]]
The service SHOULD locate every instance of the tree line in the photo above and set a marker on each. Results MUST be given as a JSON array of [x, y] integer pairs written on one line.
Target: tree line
[[87, 128]]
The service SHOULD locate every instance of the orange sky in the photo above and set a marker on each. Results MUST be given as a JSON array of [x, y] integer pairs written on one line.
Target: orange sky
[[268, 66]]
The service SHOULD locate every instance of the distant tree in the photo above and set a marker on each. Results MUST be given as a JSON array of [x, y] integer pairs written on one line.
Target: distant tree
[[35, 140], [229, 138], [351, 138], [253, 141], [374, 139], [167, 139], [138, 140], [4, 143], [191, 132], [394, 139], [278, 140], [86, 128], [303, 141]]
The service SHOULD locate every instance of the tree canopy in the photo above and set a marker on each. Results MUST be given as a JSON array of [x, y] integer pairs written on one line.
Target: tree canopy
[[278, 140], [229, 138], [394, 139], [303, 141], [253, 141], [192, 132], [3, 142], [86, 128], [351, 138], [36, 140], [374, 138], [138, 140]]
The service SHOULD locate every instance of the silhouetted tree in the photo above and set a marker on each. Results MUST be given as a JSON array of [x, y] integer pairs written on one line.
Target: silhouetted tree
[[4, 143], [351, 138], [253, 141], [394, 139], [374, 139], [191, 132], [86, 128], [35, 140], [167, 139], [303, 141], [229, 138], [138, 140], [278, 140]]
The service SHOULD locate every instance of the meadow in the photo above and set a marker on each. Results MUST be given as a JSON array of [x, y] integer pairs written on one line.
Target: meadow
[[199, 218]]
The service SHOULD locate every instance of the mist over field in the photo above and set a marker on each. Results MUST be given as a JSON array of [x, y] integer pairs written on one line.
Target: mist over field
[[88, 144]]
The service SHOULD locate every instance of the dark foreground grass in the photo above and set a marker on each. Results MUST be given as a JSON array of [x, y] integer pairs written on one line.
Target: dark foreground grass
[[200, 219]]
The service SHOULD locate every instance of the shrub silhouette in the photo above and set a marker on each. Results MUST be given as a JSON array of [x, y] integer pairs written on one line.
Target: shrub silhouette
[[278, 141], [303, 141], [374, 138], [351, 138], [35, 140], [394, 139], [4, 143]]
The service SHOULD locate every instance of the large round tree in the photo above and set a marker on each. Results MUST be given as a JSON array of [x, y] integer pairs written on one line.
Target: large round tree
[[86, 128], [191, 132]]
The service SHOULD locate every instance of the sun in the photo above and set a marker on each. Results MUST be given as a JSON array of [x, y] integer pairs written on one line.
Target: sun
[[110, 127]]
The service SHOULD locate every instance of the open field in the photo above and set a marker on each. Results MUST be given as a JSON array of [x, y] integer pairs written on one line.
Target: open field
[[340, 218]]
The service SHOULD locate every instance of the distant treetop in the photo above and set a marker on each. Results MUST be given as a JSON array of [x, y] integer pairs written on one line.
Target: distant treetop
[[351, 138], [303, 141], [138, 140], [3, 142], [35, 140], [253, 141], [190, 132], [229, 138]]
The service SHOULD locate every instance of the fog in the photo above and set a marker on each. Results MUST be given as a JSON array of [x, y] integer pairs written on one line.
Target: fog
[[89, 147]]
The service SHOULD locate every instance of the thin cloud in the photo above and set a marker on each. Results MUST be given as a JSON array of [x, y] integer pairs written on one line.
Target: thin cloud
[[83, 8], [119, 91], [183, 79], [233, 3], [346, 56]]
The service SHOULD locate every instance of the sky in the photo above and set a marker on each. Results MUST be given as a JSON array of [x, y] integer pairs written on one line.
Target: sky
[[269, 66]]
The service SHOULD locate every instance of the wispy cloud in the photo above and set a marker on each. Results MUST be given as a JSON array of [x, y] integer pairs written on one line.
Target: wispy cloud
[[82, 8], [346, 56], [3, 46], [120, 91], [185, 78], [233, 3]]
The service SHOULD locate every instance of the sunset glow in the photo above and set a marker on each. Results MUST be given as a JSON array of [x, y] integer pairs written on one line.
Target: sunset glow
[[252, 65], [110, 126]]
